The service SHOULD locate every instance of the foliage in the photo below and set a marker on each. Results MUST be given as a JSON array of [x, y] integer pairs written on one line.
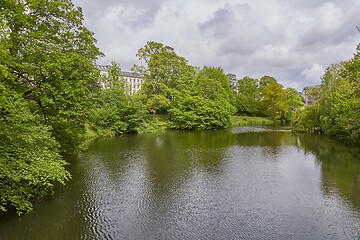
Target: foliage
[[337, 111], [114, 111], [193, 99], [52, 62], [197, 112], [206, 104], [212, 83], [29, 160], [46, 75], [246, 121], [307, 119], [266, 97], [339, 101], [163, 73], [248, 96]]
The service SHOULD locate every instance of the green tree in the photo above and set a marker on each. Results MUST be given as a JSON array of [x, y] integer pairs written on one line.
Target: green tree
[[164, 74], [307, 119], [339, 100], [206, 104], [46, 75], [338, 108], [213, 84], [273, 98], [248, 96], [116, 112], [293, 102], [53, 56], [30, 163]]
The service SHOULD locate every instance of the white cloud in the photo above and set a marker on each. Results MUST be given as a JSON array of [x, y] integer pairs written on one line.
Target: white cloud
[[278, 38], [314, 73]]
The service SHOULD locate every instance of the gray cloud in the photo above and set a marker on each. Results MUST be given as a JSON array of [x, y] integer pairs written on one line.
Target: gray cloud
[[290, 40], [130, 14]]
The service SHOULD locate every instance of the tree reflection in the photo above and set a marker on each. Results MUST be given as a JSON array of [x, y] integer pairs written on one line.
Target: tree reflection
[[340, 166]]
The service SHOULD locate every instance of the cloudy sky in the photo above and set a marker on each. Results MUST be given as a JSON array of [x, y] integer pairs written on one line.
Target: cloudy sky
[[291, 40]]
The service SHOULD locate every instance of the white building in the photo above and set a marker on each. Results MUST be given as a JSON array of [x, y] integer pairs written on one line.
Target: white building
[[133, 81]]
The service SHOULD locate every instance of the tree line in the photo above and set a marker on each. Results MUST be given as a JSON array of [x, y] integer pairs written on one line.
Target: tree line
[[51, 94], [188, 97]]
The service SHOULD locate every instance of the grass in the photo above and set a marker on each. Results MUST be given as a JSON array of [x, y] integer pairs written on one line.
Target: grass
[[248, 121]]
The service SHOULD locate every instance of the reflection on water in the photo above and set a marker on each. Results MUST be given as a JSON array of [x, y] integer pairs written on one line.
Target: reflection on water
[[243, 183], [340, 166]]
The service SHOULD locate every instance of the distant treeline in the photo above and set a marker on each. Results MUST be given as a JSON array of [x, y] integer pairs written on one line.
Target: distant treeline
[[51, 94]]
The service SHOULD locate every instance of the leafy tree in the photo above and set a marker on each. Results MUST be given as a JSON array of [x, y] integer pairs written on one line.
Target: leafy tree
[[164, 71], [53, 56], [339, 101], [46, 75], [338, 111], [265, 81], [197, 112], [213, 83], [273, 98], [206, 104], [292, 103], [116, 112], [307, 119], [30, 163], [248, 96]]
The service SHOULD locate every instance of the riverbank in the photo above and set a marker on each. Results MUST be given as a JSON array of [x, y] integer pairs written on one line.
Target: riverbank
[[250, 121], [161, 123]]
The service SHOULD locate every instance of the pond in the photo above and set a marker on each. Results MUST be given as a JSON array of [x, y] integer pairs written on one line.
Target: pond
[[241, 183]]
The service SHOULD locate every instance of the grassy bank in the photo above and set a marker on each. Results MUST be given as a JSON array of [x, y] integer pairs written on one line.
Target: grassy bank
[[248, 121], [161, 123]]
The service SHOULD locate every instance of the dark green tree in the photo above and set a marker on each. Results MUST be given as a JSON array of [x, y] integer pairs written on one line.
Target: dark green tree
[[248, 96], [46, 75], [30, 163], [205, 103], [164, 73], [53, 55]]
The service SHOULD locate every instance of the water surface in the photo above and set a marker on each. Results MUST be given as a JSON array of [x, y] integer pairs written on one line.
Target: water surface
[[242, 183]]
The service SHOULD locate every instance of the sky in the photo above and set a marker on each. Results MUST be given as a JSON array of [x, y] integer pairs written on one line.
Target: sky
[[291, 40]]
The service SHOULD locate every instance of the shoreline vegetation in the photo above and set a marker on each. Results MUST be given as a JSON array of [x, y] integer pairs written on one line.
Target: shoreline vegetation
[[161, 124], [52, 97]]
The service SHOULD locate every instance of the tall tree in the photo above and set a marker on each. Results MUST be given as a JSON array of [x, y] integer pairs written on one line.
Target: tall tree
[[207, 104], [337, 112], [164, 73], [273, 98], [53, 62], [248, 96], [30, 162], [46, 73]]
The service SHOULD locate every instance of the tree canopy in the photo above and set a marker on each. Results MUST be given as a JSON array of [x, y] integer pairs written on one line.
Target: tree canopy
[[192, 98], [46, 74]]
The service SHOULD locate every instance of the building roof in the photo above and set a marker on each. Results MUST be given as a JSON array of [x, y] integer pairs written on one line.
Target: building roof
[[123, 73], [131, 74]]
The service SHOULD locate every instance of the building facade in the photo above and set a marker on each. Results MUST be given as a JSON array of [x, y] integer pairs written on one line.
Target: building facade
[[133, 81]]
